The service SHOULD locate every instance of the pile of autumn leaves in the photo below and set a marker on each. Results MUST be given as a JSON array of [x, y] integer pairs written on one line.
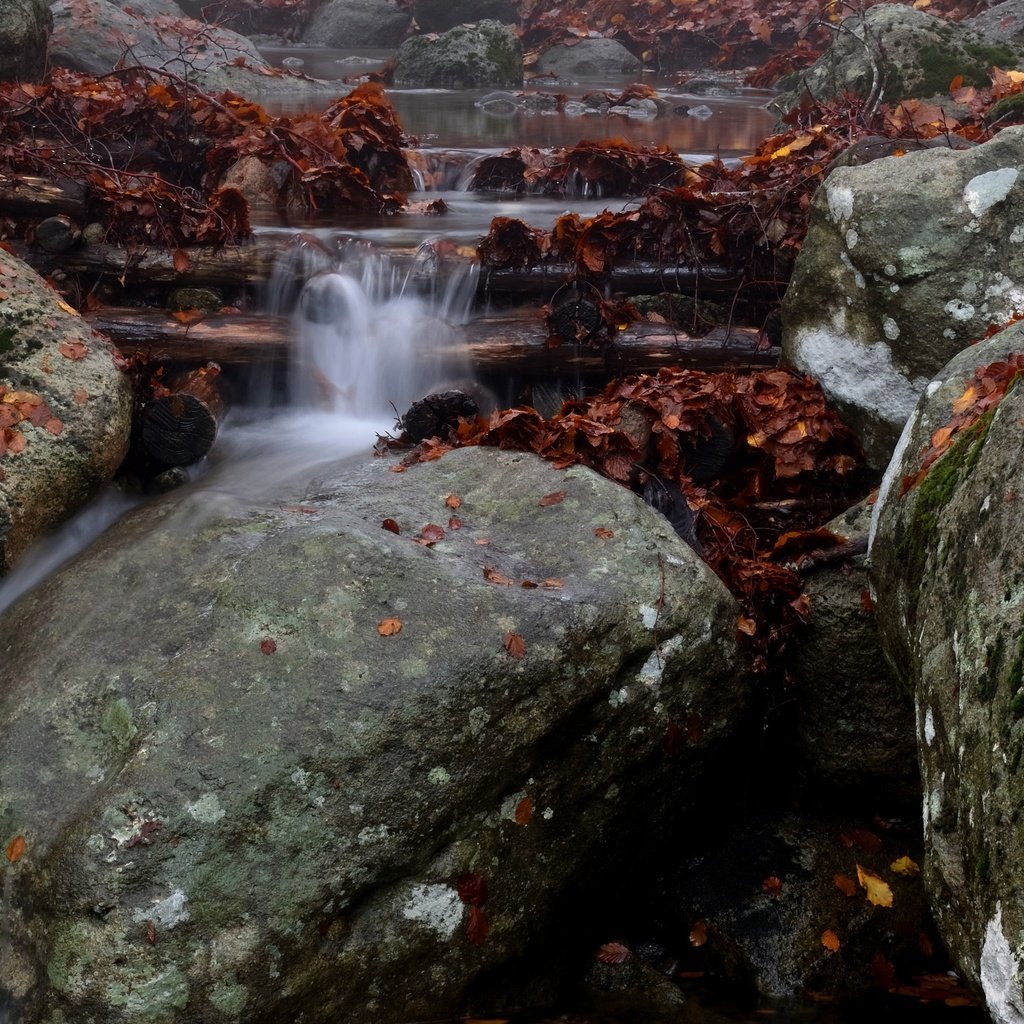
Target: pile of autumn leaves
[[791, 464], [148, 154]]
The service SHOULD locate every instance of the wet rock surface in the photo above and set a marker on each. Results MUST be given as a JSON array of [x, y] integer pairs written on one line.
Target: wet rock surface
[[355, 23], [907, 261], [487, 54], [338, 774], [896, 52], [52, 462], [24, 29], [588, 58], [856, 717], [947, 568]]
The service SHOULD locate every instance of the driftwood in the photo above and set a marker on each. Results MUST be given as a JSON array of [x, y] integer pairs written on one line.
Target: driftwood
[[179, 428], [495, 346]]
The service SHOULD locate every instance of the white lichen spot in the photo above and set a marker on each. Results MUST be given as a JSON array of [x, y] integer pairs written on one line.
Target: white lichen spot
[[437, 907], [509, 806], [949, 333], [356, 810], [653, 668], [1017, 234], [861, 374], [547, 814], [929, 727], [851, 239], [894, 288], [478, 719], [206, 809], [840, 202], [619, 697], [890, 328], [649, 614], [983, 191], [858, 277], [373, 834], [933, 387], [998, 974], [166, 913], [95, 773], [959, 310], [301, 778], [889, 269], [986, 504], [439, 776]]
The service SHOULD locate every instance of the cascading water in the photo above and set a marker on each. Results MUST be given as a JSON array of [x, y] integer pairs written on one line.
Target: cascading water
[[369, 338]]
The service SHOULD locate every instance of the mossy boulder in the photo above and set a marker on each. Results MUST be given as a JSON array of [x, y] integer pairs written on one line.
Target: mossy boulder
[[487, 54], [948, 569], [907, 261], [314, 770], [896, 52], [52, 464], [24, 29], [1001, 24], [588, 58]]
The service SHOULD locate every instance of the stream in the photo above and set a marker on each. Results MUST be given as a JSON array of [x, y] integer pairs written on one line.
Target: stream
[[358, 320]]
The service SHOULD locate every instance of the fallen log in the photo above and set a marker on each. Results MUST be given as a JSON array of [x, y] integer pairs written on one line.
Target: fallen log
[[253, 263], [29, 195], [495, 346]]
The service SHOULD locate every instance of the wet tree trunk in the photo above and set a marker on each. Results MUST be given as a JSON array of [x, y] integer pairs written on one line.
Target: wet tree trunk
[[179, 427]]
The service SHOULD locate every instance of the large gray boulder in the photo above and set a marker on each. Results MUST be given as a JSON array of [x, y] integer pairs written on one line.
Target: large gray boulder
[[588, 58], [895, 52], [355, 23], [242, 800], [24, 29], [485, 54], [856, 718], [947, 563], [94, 36], [1002, 24], [65, 410], [907, 260]]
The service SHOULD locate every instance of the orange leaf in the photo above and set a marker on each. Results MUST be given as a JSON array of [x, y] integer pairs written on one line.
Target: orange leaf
[[492, 575], [878, 892], [524, 810], [748, 627], [846, 885], [453, 501], [429, 535], [188, 316], [391, 526], [81, 396], [516, 646], [389, 627], [73, 349], [830, 940], [54, 426], [612, 953], [181, 261], [454, 523], [772, 885], [268, 646], [555, 498], [603, 533], [16, 849], [904, 867], [552, 584], [699, 933]]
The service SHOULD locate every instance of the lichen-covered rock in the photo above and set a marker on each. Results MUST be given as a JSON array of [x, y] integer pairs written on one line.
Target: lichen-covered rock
[[485, 54], [948, 566], [856, 717], [588, 58], [94, 36], [1002, 24], [907, 260], [356, 23], [247, 795], [900, 53], [24, 29], [52, 464]]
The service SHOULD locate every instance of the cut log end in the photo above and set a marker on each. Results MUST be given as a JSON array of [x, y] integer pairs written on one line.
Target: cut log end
[[178, 430]]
